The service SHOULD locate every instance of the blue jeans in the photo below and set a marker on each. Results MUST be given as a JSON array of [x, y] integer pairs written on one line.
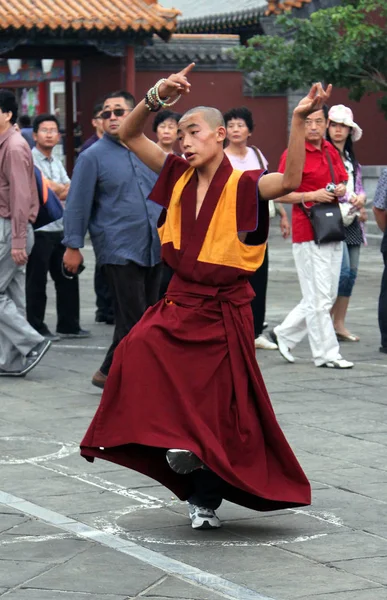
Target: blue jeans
[[349, 267]]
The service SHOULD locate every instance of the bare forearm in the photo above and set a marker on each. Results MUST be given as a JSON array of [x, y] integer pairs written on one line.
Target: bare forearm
[[296, 198], [134, 124], [295, 158], [380, 218]]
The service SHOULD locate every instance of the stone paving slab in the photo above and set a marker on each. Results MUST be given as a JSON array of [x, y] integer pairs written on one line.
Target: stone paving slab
[[100, 570], [335, 421]]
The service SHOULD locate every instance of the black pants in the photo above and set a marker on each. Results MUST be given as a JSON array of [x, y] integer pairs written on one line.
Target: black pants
[[167, 274], [46, 257], [104, 300], [133, 289], [208, 489], [383, 304], [259, 284]]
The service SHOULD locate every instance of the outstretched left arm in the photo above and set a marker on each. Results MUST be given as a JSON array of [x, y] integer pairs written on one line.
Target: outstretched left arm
[[276, 185]]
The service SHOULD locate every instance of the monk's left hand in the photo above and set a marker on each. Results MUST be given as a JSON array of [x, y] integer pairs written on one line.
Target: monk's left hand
[[315, 100], [176, 84]]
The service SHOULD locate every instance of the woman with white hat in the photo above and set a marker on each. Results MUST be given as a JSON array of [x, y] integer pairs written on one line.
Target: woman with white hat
[[342, 132]]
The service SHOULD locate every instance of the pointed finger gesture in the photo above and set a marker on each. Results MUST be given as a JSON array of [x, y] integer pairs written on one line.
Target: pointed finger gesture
[[177, 83]]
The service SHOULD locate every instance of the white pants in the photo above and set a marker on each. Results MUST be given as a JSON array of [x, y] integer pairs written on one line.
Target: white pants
[[318, 269]]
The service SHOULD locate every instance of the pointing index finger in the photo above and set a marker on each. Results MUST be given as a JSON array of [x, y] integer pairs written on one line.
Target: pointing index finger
[[187, 69]]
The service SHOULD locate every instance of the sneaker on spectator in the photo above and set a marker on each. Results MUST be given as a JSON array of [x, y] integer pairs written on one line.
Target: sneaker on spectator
[[263, 343], [282, 347]]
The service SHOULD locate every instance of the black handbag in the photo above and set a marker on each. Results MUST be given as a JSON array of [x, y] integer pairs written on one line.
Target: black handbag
[[326, 219]]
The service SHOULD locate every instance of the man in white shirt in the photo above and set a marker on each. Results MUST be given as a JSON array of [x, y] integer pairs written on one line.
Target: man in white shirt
[[47, 253]]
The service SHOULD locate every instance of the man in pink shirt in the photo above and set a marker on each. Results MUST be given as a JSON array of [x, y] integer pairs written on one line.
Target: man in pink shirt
[[21, 347]]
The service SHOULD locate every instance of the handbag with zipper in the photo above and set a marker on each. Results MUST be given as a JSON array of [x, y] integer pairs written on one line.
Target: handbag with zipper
[[325, 218]]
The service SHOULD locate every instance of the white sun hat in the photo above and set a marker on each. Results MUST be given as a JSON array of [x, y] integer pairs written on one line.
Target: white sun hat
[[343, 114]]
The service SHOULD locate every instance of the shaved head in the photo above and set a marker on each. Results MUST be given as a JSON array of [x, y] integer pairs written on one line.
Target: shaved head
[[212, 116]]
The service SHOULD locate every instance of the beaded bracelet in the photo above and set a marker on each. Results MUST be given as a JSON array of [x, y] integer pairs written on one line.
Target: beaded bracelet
[[153, 102]]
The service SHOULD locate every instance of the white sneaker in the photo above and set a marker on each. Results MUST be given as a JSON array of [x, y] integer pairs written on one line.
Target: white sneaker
[[263, 343], [340, 363], [183, 461], [282, 347], [203, 518]]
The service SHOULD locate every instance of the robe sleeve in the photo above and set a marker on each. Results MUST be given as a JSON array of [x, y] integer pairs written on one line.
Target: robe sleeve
[[252, 213], [173, 169]]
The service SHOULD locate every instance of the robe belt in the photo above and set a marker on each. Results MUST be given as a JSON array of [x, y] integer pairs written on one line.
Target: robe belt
[[192, 293]]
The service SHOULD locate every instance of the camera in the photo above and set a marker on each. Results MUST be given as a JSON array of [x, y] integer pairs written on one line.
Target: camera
[[330, 187]]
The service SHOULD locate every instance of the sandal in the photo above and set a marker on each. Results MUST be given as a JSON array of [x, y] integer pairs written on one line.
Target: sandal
[[347, 338]]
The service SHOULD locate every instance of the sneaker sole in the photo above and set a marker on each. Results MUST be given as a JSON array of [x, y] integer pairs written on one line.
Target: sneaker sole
[[36, 361], [183, 462], [325, 366], [72, 336], [205, 525]]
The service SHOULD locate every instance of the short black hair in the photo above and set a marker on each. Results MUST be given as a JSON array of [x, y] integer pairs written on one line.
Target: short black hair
[[8, 104], [24, 121], [240, 113], [163, 116], [97, 109], [41, 118], [120, 94]]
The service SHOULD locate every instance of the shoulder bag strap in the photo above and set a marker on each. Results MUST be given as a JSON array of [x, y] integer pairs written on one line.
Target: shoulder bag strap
[[259, 157], [330, 165]]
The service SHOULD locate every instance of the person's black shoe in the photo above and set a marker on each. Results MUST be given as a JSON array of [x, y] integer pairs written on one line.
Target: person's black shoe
[[383, 349], [104, 319], [82, 333], [47, 334]]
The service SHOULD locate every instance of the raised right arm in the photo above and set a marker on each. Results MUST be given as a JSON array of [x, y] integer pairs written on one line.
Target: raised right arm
[[131, 131]]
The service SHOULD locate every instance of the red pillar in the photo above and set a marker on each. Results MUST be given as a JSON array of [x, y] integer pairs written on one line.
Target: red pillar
[[130, 70], [43, 97], [69, 116]]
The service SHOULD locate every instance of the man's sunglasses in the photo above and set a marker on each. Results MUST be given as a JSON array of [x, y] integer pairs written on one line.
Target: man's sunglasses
[[117, 112]]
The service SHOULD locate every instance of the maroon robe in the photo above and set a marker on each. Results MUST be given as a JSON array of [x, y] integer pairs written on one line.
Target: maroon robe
[[186, 376]]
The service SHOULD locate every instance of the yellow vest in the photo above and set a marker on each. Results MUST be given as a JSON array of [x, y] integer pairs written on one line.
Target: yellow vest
[[222, 245]]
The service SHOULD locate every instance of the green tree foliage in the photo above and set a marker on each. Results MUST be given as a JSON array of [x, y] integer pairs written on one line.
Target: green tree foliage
[[345, 46]]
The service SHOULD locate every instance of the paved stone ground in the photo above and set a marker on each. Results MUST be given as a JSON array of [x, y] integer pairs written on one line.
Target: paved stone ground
[[70, 530]]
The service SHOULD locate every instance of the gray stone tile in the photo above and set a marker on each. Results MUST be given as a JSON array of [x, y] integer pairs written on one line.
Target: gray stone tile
[[152, 519], [32, 594], [343, 545], [298, 577], [373, 568], [33, 527], [366, 594], [100, 570], [171, 587], [9, 520], [41, 549], [14, 573]]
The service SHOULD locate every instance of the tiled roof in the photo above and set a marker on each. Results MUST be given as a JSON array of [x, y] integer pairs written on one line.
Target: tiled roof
[[90, 15], [200, 9], [277, 7]]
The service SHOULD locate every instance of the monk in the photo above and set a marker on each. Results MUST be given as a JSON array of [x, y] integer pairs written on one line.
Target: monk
[[185, 402]]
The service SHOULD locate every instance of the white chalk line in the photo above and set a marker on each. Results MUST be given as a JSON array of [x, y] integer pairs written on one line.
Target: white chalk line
[[148, 501], [60, 346], [65, 450], [175, 568]]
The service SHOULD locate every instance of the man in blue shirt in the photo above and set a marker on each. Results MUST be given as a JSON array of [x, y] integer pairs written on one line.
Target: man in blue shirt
[[380, 212], [109, 197]]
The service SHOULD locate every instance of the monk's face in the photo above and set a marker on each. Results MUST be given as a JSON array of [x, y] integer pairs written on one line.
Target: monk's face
[[199, 142]]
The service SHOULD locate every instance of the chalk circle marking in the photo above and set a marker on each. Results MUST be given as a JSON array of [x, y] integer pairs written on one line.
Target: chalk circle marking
[[66, 449]]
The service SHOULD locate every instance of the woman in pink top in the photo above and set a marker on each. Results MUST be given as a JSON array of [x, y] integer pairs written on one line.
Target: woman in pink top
[[240, 125]]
